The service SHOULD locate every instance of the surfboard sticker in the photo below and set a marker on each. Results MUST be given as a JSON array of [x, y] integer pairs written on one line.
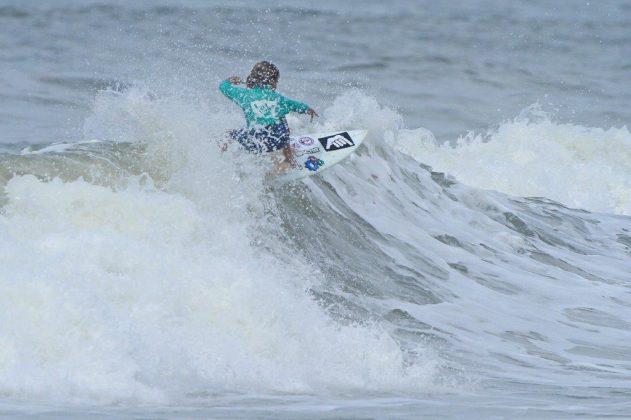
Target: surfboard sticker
[[336, 141], [313, 163], [304, 142], [298, 153]]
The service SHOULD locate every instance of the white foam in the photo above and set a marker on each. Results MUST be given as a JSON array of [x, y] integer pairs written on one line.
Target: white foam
[[144, 293], [532, 156]]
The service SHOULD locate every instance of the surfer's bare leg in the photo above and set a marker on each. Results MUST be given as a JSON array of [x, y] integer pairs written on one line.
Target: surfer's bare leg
[[283, 160], [289, 155]]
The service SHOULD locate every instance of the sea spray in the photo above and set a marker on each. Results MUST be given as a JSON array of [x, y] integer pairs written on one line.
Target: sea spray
[[142, 291]]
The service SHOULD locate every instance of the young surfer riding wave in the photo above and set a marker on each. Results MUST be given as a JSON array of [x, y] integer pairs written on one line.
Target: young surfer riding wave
[[265, 109]]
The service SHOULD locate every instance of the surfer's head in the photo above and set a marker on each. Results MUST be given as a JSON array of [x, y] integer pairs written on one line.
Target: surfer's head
[[263, 74]]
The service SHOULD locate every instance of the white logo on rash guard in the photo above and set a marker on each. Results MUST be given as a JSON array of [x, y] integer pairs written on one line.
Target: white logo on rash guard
[[264, 109]]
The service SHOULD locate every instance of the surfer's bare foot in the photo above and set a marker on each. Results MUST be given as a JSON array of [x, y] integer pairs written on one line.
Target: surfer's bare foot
[[283, 167]]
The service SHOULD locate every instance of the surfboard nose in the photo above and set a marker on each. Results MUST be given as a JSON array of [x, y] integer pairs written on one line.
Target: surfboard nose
[[359, 135]]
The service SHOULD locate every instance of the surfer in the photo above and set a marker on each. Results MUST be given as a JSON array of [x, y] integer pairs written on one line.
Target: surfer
[[265, 109]]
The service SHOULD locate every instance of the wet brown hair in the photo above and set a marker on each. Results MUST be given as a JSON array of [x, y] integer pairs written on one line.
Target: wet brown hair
[[263, 74]]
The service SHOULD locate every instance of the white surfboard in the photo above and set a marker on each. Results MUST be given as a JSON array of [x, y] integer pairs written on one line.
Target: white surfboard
[[317, 152]]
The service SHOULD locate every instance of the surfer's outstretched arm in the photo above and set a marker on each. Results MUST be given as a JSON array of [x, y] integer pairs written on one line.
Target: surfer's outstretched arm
[[289, 105], [232, 92]]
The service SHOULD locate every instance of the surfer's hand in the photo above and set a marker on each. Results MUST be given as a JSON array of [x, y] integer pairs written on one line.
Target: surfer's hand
[[311, 112], [235, 80]]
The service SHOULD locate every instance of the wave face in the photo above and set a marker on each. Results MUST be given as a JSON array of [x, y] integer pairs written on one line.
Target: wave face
[[156, 269]]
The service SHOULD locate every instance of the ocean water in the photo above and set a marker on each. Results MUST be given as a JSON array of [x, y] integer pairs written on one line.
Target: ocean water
[[471, 260]]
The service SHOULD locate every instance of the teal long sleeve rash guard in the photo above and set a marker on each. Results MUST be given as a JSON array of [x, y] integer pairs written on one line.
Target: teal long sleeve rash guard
[[261, 106]]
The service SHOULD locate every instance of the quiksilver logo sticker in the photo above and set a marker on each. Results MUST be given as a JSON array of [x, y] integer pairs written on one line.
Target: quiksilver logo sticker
[[336, 141]]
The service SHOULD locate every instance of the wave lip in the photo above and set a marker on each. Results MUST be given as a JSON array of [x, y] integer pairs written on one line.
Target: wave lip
[[533, 156]]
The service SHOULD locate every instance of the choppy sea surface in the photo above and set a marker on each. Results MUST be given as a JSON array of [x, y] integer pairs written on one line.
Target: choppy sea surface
[[471, 260]]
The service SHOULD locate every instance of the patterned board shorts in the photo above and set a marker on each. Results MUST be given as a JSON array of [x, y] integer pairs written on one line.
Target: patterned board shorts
[[262, 139]]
